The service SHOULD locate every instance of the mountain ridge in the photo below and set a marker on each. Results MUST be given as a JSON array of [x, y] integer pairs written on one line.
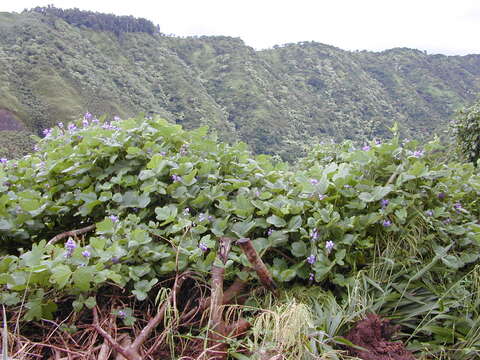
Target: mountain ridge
[[278, 100]]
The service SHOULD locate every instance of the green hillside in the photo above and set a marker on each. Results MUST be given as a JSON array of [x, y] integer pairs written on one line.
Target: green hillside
[[278, 100]]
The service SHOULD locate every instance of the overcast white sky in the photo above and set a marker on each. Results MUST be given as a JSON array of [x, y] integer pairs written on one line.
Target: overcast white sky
[[449, 27]]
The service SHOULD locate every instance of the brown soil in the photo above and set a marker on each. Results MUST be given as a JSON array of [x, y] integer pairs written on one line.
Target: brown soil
[[8, 121], [373, 334]]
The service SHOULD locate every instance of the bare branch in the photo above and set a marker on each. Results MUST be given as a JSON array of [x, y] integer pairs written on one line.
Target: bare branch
[[257, 263], [72, 233]]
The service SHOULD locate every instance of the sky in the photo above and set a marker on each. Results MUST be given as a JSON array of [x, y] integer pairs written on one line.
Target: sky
[[449, 27]]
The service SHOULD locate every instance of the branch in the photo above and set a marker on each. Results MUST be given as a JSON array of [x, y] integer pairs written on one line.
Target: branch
[[72, 233], [257, 263], [154, 322], [217, 348]]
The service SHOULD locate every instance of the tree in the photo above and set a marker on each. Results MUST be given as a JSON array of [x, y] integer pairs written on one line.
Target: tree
[[467, 132]]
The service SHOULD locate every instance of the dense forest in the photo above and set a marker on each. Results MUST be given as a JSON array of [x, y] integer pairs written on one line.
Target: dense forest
[[55, 67], [99, 21]]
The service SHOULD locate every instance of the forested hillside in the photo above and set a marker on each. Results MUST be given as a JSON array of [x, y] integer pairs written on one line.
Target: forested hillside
[[278, 100]]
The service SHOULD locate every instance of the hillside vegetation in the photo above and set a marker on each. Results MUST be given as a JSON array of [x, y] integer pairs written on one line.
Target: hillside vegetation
[[100, 219], [278, 100]]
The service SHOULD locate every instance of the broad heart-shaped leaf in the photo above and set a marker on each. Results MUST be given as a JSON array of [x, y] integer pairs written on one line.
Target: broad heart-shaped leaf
[[82, 277], [60, 275], [6, 224], [276, 221], [295, 223], [166, 213], [379, 192], [105, 226], [139, 237], [299, 249], [134, 200], [452, 262], [143, 287], [242, 228]]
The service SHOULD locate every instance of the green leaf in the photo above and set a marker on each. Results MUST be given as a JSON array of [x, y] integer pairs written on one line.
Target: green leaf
[[242, 228], [60, 275], [299, 249], [276, 221], [105, 227], [82, 277]]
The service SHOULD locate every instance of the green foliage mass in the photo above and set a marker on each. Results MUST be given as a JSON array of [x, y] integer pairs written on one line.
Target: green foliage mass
[[466, 128], [279, 101], [161, 196]]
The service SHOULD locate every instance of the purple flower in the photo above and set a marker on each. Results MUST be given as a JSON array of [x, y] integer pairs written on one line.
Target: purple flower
[[115, 260], [176, 178], [314, 235], [116, 118], [329, 246], [441, 195], [270, 232], [163, 153], [95, 121], [313, 181], [311, 259], [3, 160], [429, 213], [384, 203], [186, 212], [86, 253], [321, 196], [87, 116], [387, 223], [377, 142], [113, 218], [447, 221], [202, 217], [202, 247], [47, 132], [60, 125], [72, 127], [210, 218], [85, 122], [418, 153], [458, 207], [183, 149], [70, 245], [122, 314], [366, 148], [257, 193], [311, 277], [346, 186]]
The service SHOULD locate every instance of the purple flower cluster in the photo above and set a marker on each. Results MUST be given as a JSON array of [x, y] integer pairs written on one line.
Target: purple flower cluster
[[458, 207], [366, 148], [70, 246], [311, 277], [47, 132], [183, 149], [418, 153], [86, 254], [176, 178], [329, 245], [270, 232], [72, 127], [387, 223], [108, 126], [384, 203], [3, 160], [312, 259]]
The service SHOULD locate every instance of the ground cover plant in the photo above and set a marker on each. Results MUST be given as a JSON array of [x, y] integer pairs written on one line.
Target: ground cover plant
[[119, 237]]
